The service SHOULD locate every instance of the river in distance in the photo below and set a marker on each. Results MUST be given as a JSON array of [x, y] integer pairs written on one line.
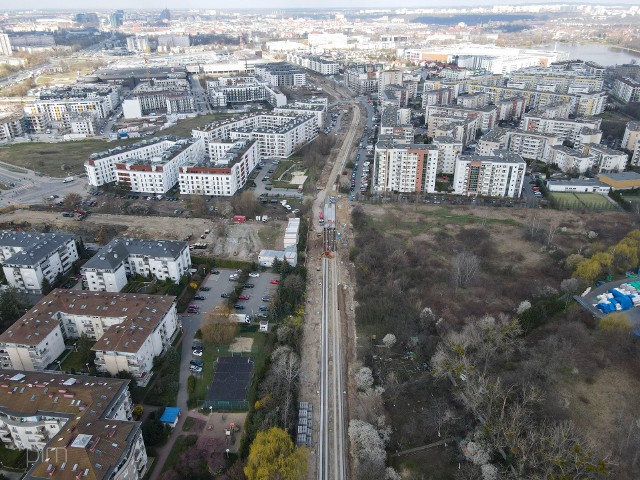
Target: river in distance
[[604, 55]]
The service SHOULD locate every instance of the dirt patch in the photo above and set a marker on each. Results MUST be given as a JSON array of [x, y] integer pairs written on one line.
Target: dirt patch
[[225, 240], [214, 436], [241, 344]]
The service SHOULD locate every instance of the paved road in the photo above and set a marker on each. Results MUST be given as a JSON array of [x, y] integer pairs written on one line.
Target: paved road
[[199, 95], [31, 189], [261, 183], [363, 151]]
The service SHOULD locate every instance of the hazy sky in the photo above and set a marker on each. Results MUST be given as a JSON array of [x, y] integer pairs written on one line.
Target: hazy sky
[[220, 4]]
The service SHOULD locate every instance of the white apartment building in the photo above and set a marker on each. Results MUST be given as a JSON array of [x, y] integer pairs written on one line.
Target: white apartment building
[[362, 79], [510, 109], [150, 166], [323, 66], [317, 110], [62, 419], [449, 150], [635, 155], [54, 105], [138, 43], [10, 126], [499, 175], [626, 89], [440, 96], [130, 330], [30, 258], [606, 159], [463, 130], [400, 167], [386, 78], [529, 145], [565, 129], [243, 89], [281, 75], [487, 116], [5, 45], [107, 270], [224, 174], [631, 136], [569, 160], [278, 135], [82, 123], [395, 122], [147, 100]]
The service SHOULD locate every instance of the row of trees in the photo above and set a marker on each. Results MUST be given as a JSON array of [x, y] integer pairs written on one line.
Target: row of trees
[[619, 258]]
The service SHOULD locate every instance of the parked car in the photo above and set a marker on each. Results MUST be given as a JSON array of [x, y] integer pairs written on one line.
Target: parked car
[[197, 363], [216, 272], [197, 353], [262, 315], [266, 299], [243, 297], [237, 306], [263, 308], [275, 282], [248, 285], [225, 295], [254, 274], [195, 369], [205, 289], [199, 297]]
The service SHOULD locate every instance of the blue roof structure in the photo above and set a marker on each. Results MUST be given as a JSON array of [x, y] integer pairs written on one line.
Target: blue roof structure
[[170, 414]]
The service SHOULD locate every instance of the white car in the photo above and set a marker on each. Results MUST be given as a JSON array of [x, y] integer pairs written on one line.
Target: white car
[[195, 369], [254, 275], [197, 353]]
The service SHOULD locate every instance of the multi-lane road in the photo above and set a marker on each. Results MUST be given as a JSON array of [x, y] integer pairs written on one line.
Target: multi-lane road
[[30, 189]]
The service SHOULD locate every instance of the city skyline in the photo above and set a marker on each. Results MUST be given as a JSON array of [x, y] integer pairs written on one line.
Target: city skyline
[[277, 4]]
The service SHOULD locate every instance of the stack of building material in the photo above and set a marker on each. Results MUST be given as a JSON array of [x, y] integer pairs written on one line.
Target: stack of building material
[[291, 233]]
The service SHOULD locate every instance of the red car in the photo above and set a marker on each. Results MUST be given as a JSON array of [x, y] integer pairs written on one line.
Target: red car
[[275, 282], [243, 297]]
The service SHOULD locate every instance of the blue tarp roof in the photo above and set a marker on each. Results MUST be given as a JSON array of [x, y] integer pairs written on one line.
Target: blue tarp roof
[[170, 414]]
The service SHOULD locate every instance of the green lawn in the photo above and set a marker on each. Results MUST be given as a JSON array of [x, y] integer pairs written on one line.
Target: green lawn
[[582, 200], [49, 158], [14, 459], [74, 360]]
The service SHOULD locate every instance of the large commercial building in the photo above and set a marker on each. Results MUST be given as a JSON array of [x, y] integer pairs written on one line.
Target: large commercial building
[[404, 167], [73, 426], [499, 175], [150, 166], [30, 258], [130, 330], [226, 172], [107, 270]]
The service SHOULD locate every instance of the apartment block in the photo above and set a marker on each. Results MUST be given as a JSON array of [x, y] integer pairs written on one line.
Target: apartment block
[[162, 97], [473, 100], [400, 167], [107, 270], [319, 111], [626, 90], [243, 89], [635, 155], [487, 116], [462, 130], [499, 175], [224, 174], [281, 74], [362, 79], [396, 122], [566, 129], [130, 330], [321, 65], [440, 96], [569, 160], [30, 258], [10, 126], [150, 166], [278, 135], [631, 136], [529, 145], [138, 43], [73, 426], [54, 105], [605, 159], [449, 150]]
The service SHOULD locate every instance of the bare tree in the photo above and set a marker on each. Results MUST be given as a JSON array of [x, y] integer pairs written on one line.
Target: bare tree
[[72, 200], [533, 224], [552, 229], [464, 268]]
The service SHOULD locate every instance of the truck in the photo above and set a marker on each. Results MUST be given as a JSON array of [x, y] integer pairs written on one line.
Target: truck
[[68, 180], [239, 219], [239, 318], [321, 222]]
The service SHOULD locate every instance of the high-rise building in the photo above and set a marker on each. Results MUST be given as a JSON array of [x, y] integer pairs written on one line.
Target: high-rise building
[[117, 18], [5, 44]]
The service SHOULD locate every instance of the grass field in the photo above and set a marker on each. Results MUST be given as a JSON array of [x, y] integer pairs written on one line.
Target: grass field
[[49, 158], [184, 127], [582, 200]]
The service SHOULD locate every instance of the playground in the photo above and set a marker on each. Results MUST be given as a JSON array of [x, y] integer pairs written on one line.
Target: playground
[[621, 295], [589, 201]]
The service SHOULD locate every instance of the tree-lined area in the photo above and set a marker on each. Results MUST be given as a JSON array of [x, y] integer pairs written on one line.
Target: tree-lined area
[[469, 338]]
